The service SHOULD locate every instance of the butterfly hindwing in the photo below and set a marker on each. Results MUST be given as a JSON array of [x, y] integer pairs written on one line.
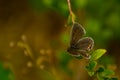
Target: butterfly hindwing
[[76, 33], [77, 53], [84, 54], [85, 43]]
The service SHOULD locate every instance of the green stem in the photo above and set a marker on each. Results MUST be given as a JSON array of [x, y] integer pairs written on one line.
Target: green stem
[[70, 10]]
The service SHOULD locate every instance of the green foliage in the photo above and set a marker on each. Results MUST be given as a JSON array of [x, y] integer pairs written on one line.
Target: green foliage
[[5, 74], [94, 69], [100, 72], [64, 60], [105, 74], [42, 5], [90, 67]]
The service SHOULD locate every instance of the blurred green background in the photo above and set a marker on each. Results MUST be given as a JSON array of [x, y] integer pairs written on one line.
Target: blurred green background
[[34, 36]]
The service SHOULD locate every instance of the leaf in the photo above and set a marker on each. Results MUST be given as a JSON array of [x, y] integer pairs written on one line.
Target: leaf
[[69, 21], [91, 65], [100, 69], [108, 72], [91, 73], [97, 54], [90, 68], [105, 74]]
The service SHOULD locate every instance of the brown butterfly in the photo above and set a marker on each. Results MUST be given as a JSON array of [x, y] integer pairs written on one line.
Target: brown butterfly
[[79, 45]]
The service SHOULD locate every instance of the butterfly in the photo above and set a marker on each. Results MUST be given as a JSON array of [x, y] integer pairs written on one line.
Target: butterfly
[[79, 45]]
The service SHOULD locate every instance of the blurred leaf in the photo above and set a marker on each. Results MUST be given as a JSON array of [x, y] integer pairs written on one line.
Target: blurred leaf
[[64, 59], [114, 79], [97, 54], [108, 72], [5, 74], [104, 74], [91, 73], [91, 66], [100, 69], [69, 21], [26, 46]]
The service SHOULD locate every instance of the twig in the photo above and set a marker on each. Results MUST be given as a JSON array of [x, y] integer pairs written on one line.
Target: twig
[[70, 10]]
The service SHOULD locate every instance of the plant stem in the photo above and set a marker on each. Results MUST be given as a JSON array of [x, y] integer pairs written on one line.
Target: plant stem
[[70, 10]]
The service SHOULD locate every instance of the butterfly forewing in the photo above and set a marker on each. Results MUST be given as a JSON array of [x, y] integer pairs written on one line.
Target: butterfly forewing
[[85, 44], [76, 33]]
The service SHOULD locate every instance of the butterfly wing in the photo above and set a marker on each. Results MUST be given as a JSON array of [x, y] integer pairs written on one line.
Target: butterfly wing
[[77, 53], [78, 46], [76, 33], [86, 44], [84, 54]]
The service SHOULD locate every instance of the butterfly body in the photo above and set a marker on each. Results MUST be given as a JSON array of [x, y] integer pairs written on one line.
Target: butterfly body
[[79, 45]]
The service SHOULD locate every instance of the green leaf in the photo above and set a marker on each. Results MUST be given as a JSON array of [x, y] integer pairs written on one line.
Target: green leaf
[[91, 65], [97, 54], [100, 69], [105, 74], [90, 68], [108, 72], [69, 21], [91, 73]]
